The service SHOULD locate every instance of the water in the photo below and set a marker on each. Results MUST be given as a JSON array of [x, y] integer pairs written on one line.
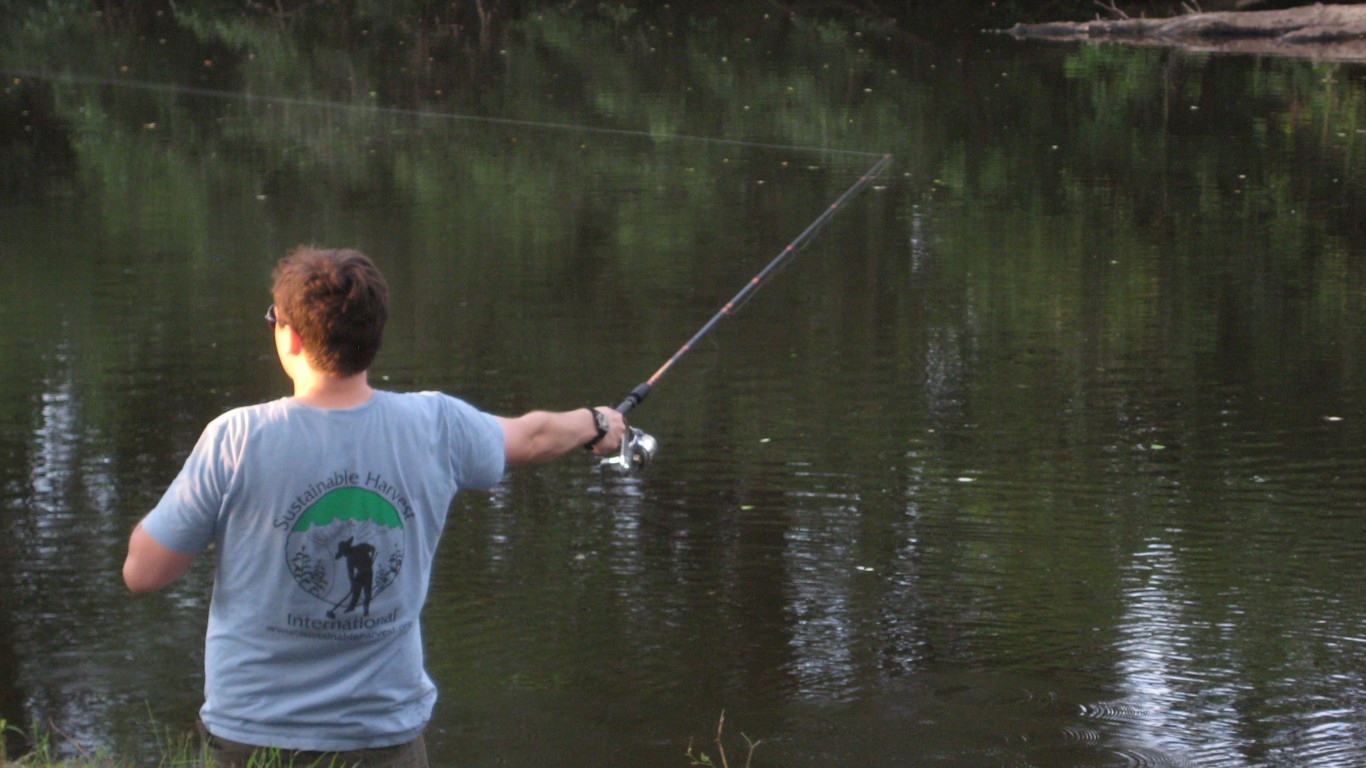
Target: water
[[1045, 452]]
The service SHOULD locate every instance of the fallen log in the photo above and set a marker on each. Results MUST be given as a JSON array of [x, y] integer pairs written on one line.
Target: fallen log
[[1330, 32]]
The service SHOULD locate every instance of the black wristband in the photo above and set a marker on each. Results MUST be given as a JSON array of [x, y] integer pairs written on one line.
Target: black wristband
[[600, 423]]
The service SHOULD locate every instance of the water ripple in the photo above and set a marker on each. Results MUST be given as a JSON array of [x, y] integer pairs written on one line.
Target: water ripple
[[1142, 757], [1113, 712]]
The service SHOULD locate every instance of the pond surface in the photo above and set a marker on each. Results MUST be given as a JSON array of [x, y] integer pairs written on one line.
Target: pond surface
[[1046, 451]]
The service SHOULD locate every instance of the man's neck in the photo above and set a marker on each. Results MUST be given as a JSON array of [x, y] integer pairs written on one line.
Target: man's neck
[[320, 391]]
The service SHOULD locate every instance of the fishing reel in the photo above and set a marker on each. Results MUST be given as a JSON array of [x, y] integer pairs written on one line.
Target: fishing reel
[[637, 451], [637, 446]]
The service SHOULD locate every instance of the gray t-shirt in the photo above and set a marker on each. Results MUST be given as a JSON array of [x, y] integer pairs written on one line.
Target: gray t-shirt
[[324, 525]]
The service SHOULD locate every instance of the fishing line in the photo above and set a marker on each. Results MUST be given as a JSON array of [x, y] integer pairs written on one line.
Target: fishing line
[[638, 449], [187, 90]]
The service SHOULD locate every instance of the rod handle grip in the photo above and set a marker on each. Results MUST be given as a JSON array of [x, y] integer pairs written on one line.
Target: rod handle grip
[[633, 399]]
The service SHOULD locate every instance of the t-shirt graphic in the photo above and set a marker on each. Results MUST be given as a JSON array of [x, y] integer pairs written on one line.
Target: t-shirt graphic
[[345, 549]]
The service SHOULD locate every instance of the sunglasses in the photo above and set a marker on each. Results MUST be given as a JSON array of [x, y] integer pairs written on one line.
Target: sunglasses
[[270, 316]]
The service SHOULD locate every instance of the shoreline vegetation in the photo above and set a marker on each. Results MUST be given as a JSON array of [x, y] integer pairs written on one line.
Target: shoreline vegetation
[[48, 748], [51, 748]]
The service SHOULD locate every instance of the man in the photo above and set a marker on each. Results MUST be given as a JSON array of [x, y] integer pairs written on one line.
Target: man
[[324, 510]]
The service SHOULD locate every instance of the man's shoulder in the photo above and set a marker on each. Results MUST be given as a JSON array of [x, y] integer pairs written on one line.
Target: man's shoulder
[[245, 418], [426, 399], [455, 414], [252, 411]]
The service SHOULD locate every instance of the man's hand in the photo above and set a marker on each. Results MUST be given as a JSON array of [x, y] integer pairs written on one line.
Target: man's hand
[[616, 432]]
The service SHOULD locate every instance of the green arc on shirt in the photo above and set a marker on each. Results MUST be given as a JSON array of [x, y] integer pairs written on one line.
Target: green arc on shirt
[[349, 504]]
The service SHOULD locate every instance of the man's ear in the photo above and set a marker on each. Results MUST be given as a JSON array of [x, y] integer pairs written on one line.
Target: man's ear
[[296, 344]]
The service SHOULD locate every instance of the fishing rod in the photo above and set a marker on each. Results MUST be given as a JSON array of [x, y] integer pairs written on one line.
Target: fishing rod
[[638, 448]]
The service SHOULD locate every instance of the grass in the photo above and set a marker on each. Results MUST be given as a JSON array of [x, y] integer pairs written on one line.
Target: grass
[[703, 759], [187, 751], [47, 744], [184, 751]]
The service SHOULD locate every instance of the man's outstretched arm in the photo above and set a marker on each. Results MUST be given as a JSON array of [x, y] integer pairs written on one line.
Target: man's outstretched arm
[[540, 436], [149, 565]]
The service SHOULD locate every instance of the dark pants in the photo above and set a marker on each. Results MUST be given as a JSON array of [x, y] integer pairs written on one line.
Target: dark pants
[[232, 754]]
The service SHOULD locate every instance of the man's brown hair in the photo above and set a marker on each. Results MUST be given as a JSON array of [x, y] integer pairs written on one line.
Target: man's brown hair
[[337, 301]]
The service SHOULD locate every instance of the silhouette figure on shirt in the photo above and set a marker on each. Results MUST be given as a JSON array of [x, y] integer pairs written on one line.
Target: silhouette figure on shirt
[[360, 569]]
